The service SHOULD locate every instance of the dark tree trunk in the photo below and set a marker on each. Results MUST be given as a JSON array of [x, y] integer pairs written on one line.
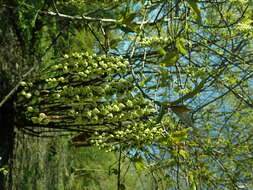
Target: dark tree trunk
[[13, 51], [6, 142]]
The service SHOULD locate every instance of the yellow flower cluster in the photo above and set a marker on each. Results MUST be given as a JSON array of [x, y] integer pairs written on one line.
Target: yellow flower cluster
[[91, 93], [155, 41]]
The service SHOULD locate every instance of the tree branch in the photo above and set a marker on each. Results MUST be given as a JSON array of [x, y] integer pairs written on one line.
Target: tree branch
[[15, 88], [85, 18]]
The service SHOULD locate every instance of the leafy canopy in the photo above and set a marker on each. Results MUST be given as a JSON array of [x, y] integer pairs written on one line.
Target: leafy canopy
[[150, 58]]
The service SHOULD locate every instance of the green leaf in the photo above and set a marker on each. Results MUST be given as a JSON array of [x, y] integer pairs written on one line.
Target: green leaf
[[183, 153], [35, 120], [182, 133], [161, 51], [196, 10], [192, 186], [145, 81], [170, 59], [142, 83], [139, 163], [139, 166], [180, 46]]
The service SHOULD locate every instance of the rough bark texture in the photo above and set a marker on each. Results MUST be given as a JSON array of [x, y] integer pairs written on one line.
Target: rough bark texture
[[10, 59], [6, 140]]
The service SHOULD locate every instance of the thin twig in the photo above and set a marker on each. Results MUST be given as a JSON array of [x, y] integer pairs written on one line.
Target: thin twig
[[85, 18], [119, 168], [16, 87], [95, 36]]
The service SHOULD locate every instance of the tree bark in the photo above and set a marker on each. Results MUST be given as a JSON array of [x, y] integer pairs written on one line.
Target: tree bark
[[6, 142]]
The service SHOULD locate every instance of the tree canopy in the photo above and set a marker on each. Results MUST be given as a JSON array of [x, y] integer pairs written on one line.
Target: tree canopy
[[167, 84]]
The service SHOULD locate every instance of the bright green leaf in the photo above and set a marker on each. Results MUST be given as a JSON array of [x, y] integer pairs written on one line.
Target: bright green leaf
[[139, 166], [183, 153], [180, 46], [161, 51], [193, 186], [194, 6], [139, 163]]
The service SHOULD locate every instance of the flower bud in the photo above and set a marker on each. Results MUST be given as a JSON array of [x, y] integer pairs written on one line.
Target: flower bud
[[42, 115]]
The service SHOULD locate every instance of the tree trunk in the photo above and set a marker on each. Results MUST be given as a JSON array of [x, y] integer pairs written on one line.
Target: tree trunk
[[6, 142]]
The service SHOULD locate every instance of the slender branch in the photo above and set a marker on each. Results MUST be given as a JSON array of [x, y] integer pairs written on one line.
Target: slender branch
[[55, 7], [95, 36], [92, 19], [230, 89], [239, 96], [119, 168], [84, 18], [16, 87]]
